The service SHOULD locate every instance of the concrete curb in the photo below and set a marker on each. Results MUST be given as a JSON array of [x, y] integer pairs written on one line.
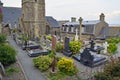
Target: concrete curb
[[26, 78]]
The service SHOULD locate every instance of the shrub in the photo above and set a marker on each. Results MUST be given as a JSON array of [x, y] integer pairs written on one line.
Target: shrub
[[112, 48], [49, 38], [11, 70], [75, 46], [42, 62], [116, 70], [102, 76], [59, 47], [52, 54], [7, 55], [66, 66], [111, 71], [2, 38], [113, 40]]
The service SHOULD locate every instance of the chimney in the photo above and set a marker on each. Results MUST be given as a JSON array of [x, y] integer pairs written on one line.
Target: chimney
[[102, 17], [73, 19]]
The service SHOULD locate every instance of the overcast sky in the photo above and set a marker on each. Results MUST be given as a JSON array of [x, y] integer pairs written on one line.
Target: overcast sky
[[87, 9]]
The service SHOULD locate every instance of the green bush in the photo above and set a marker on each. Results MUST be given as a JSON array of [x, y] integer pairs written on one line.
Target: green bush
[[102, 76], [75, 46], [67, 66], [2, 38], [42, 62], [7, 54], [59, 47], [113, 40], [111, 71], [112, 48], [49, 38], [11, 70], [116, 70]]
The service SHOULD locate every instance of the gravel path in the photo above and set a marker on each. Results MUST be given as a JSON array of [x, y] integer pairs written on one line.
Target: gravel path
[[31, 72]]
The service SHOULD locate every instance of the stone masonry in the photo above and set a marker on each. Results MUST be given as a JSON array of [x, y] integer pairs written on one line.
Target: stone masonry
[[33, 14]]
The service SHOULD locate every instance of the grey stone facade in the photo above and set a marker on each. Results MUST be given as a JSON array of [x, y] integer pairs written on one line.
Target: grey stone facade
[[33, 15]]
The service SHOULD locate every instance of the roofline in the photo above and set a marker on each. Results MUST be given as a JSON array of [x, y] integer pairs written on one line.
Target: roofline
[[11, 7]]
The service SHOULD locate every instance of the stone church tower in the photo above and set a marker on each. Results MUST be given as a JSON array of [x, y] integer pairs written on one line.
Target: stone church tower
[[33, 17]]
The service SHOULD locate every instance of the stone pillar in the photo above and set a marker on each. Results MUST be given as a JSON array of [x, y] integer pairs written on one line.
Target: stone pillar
[[80, 27], [54, 42]]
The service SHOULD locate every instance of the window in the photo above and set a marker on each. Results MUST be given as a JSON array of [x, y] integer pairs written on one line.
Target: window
[[69, 29], [88, 28]]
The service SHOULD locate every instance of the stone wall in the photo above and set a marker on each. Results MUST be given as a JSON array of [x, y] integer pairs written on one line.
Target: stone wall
[[33, 14]]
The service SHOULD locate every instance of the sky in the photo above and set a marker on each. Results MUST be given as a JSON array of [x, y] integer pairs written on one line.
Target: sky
[[87, 9]]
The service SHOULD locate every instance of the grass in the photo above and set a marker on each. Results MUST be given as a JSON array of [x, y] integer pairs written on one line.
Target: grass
[[62, 76], [57, 76], [11, 70]]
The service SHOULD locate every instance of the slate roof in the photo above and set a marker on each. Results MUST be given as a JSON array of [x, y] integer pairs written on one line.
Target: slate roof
[[114, 25], [52, 21], [92, 22], [11, 15]]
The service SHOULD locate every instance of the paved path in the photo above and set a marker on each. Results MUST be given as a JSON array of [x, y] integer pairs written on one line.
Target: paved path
[[31, 72]]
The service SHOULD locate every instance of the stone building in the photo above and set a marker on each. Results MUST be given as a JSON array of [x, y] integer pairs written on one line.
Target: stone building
[[33, 15], [114, 30], [98, 28], [1, 16], [29, 19]]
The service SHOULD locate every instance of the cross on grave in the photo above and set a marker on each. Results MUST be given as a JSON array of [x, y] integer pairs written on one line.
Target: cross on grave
[[105, 45], [76, 36]]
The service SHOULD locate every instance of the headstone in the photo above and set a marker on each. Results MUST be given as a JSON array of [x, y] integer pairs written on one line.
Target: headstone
[[48, 43], [92, 44], [105, 45], [67, 51], [95, 48], [42, 40], [88, 59], [54, 42], [76, 36], [66, 44]]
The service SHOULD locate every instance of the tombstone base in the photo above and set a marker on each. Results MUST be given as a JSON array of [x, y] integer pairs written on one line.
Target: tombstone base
[[76, 57], [66, 53], [96, 62]]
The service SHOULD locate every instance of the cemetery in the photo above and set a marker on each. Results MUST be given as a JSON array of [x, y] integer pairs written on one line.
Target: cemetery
[[71, 59], [57, 56], [36, 46]]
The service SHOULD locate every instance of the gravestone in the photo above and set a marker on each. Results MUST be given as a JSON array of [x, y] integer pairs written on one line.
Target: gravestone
[[95, 48], [48, 43], [42, 41], [105, 45], [88, 59], [92, 45], [54, 42], [76, 36], [67, 51]]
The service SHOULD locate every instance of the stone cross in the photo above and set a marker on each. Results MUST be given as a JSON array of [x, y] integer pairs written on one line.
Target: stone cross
[[53, 42], [105, 45], [76, 36]]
